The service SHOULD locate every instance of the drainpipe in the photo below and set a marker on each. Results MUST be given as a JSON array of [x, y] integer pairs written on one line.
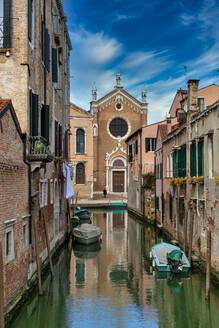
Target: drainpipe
[[196, 155], [24, 139]]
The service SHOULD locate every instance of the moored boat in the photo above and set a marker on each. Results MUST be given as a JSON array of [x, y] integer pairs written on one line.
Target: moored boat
[[87, 234], [86, 251], [168, 257], [83, 213]]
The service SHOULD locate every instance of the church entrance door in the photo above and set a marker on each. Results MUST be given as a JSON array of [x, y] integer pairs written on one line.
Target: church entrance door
[[118, 181]]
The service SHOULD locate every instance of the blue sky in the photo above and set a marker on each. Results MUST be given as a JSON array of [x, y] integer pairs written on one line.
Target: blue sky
[[154, 44]]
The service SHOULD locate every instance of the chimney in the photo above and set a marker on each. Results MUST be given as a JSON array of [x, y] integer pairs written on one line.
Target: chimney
[[192, 97], [168, 124]]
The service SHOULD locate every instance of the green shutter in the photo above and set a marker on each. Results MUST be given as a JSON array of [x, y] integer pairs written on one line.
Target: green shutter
[[147, 144], [54, 65], [201, 158], [45, 122], [184, 161], [34, 114], [193, 160], [7, 24]]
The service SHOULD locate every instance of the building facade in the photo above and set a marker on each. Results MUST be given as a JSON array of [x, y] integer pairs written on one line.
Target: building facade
[[34, 74], [115, 117], [81, 152]]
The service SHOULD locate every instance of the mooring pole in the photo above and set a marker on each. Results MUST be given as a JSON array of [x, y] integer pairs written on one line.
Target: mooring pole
[[2, 321], [191, 234], [48, 245], [208, 264], [35, 224]]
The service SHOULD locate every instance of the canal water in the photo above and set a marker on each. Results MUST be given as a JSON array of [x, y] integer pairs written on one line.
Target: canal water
[[114, 286]]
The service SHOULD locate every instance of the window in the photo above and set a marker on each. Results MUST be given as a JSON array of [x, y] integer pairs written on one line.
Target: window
[[136, 147], [210, 156], [9, 242], [5, 24], [80, 173], [80, 141], [25, 232], [58, 139], [45, 122], [34, 113], [150, 144], [55, 21], [118, 162], [130, 158], [51, 191], [201, 157], [30, 20], [193, 160], [43, 193], [157, 203], [118, 127], [54, 65], [171, 207]]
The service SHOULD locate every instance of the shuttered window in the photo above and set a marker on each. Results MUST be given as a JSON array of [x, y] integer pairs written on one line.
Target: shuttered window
[[34, 113], [136, 147], [193, 160], [54, 65], [130, 157], [80, 173], [45, 122], [150, 144], [5, 24], [201, 157], [47, 49]]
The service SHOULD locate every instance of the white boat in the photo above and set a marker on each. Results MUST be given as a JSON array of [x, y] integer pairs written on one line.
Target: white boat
[[87, 234]]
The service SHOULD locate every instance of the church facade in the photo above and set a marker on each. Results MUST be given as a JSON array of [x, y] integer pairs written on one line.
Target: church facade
[[114, 117]]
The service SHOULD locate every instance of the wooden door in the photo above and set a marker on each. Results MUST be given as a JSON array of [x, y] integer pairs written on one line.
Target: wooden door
[[118, 181]]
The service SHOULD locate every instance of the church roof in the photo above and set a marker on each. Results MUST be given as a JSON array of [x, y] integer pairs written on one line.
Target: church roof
[[119, 90]]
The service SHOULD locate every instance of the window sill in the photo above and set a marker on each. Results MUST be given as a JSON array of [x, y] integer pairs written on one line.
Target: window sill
[[80, 153], [4, 50]]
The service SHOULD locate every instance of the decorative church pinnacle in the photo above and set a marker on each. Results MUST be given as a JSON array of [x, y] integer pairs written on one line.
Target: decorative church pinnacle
[[94, 92], [118, 80], [144, 96]]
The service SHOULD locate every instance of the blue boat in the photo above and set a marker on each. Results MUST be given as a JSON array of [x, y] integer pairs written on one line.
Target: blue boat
[[83, 213], [162, 257], [116, 206]]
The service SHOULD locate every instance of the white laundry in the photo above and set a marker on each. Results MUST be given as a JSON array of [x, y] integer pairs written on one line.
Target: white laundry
[[67, 174]]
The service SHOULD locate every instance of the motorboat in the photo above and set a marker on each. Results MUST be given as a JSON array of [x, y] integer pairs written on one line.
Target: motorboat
[[82, 213], [87, 234], [168, 257]]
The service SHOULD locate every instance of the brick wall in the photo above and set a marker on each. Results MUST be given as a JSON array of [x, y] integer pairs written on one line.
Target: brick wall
[[13, 204]]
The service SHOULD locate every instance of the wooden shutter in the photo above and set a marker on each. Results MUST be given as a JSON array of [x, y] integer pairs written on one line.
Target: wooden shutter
[[147, 144], [60, 140], [193, 160], [45, 122], [54, 65], [7, 24], [47, 49], [34, 113], [30, 20], [201, 158], [56, 139]]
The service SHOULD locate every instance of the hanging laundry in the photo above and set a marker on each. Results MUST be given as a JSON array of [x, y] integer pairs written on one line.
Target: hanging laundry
[[67, 168]]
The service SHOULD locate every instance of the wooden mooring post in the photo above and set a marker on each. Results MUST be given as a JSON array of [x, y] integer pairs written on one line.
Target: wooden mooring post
[[35, 225], [191, 234], [48, 245], [208, 264], [2, 321]]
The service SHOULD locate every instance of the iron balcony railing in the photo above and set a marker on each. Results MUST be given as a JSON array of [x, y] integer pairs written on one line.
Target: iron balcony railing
[[5, 32], [38, 150]]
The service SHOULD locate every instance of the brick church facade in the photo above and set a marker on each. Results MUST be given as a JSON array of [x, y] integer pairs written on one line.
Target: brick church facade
[[114, 117]]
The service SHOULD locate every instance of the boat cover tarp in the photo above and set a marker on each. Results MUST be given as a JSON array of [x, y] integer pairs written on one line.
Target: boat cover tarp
[[87, 231], [162, 254], [175, 255]]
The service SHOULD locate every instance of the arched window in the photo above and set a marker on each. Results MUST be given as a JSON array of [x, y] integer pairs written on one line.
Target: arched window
[[80, 141], [118, 162], [80, 173]]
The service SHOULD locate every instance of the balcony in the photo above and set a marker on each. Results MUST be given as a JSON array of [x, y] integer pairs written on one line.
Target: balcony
[[39, 151]]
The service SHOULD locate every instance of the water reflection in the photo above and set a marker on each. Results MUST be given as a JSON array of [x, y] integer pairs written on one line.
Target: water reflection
[[112, 286]]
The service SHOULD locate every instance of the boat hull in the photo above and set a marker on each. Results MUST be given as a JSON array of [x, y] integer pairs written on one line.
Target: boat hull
[[159, 252]]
